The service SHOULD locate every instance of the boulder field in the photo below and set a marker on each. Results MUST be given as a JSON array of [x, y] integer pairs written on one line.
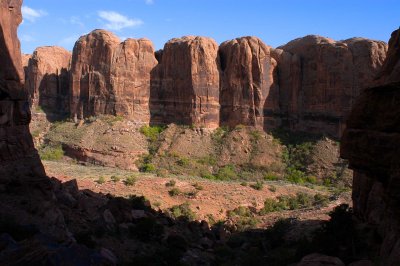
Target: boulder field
[[309, 84]]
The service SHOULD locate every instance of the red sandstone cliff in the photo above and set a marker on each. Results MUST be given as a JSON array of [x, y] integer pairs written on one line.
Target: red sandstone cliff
[[47, 79], [371, 143], [333, 73], [185, 86], [110, 77], [247, 78]]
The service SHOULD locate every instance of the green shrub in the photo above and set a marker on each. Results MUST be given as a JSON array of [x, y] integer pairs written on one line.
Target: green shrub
[[191, 194], [321, 200], [243, 184], [227, 172], [147, 168], [198, 186], [51, 153], [170, 183], [255, 135], [115, 178], [311, 179], [208, 176], [271, 177], [101, 180], [183, 162], [258, 185], [208, 160], [151, 132], [182, 210], [174, 192], [130, 180], [295, 176], [219, 134], [272, 188], [243, 218]]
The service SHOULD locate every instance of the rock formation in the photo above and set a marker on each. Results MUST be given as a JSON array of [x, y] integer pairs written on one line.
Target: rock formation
[[391, 69], [109, 77], [25, 196], [247, 78], [332, 76], [185, 86], [371, 143], [47, 79]]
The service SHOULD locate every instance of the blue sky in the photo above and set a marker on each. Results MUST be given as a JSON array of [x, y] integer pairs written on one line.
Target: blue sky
[[61, 22]]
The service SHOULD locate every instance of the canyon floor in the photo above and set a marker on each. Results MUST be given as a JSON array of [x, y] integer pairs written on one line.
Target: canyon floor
[[209, 200]]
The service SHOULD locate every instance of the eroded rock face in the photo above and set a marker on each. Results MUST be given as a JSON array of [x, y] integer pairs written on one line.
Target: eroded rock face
[[332, 75], [47, 79], [391, 69], [185, 86], [246, 82], [371, 143], [110, 77]]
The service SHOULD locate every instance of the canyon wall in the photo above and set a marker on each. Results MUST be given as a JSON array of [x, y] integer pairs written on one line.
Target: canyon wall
[[309, 84], [320, 79], [110, 77], [246, 81], [185, 84], [47, 79], [371, 143], [26, 198]]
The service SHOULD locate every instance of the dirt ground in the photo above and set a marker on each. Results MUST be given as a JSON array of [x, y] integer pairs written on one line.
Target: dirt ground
[[212, 198]]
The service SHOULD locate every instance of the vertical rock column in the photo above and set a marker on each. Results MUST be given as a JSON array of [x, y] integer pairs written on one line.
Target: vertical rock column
[[185, 86], [247, 79]]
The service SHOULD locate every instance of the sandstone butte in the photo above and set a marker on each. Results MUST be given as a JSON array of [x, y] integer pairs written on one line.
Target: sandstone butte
[[185, 84], [247, 78], [47, 79], [309, 84], [371, 143], [110, 77], [322, 78]]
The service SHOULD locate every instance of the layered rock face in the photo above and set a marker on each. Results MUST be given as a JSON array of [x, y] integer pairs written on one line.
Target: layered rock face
[[332, 76], [47, 79], [391, 69], [371, 143], [247, 78], [185, 85], [25, 195], [109, 77]]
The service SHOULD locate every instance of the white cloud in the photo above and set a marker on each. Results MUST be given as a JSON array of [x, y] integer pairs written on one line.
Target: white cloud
[[27, 38], [116, 21], [32, 14], [149, 2], [76, 21]]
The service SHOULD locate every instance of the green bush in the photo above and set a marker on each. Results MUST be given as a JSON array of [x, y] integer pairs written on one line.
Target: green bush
[[182, 210], [227, 172], [270, 177], [170, 183], [130, 180], [183, 162], [243, 218], [295, 176], [208, 176], [198, 186], [300, 201], [208, 160], [101, 180], [147, 168], [151, 132], [174, 192], [115, 178], [272, 188], [321, 200], [258, 185], [51, 153]]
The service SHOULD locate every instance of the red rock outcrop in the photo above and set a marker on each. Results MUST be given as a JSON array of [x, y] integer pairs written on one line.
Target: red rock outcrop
[[371, 143], [47, 79], [110, 77], [332, 76], [185, 86], [247, 78], [25, 195], [391, 68]]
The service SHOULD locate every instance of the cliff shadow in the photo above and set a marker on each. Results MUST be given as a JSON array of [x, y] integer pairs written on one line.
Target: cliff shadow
[[53, 96]]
